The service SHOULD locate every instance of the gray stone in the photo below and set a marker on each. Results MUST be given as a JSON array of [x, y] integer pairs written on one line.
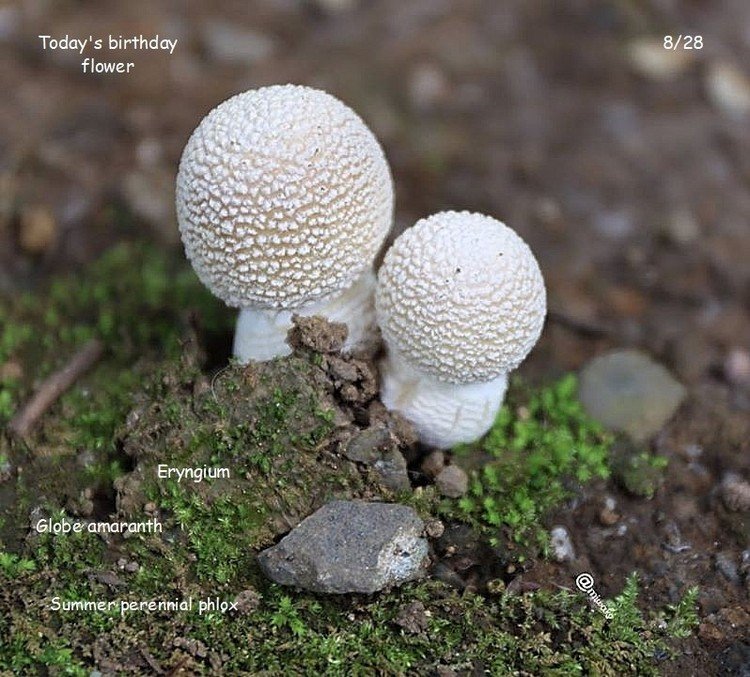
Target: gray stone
[[627, 391], [433, 464], [349, 546], [377, 448], [452, 482], [392, 470], [562, 545], [728, 88], [367, 445], [727, 567]]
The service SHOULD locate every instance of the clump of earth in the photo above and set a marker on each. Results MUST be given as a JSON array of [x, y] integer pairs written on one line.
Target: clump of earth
[[298, 433]]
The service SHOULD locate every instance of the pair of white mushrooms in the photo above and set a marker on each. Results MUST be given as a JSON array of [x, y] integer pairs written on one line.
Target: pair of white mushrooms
[[284, 198]]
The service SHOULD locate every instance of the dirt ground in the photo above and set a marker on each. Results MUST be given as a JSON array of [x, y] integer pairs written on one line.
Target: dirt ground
[[625, 167]]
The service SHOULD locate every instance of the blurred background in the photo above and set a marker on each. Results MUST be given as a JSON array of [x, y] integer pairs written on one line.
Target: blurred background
[[626, 166]]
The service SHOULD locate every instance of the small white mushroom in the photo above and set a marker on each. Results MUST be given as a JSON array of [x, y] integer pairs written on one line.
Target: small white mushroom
[[284, 197], [461, 302]]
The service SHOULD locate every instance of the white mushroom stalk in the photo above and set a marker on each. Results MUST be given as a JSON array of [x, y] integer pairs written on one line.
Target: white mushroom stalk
[[284, 198], [461, 302]]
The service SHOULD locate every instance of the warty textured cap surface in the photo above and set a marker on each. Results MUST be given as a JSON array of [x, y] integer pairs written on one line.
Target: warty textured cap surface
[[460, 296], [284, 196]]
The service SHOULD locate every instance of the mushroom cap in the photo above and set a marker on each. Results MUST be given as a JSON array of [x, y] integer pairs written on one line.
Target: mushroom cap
[[460, 296], [284, 196]]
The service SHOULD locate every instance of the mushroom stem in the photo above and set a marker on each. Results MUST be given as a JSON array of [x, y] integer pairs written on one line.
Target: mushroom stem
[[444, 414], [261, 333]]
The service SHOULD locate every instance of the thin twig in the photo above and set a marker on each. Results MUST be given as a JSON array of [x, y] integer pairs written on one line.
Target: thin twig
[[54, 386]]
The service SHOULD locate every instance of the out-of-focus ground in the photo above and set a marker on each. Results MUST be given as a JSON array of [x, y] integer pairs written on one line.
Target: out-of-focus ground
[[625, 166], [617, 160]]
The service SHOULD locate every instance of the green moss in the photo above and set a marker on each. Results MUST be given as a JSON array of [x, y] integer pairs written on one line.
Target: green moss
[[273, 427], [12, 565], [637, 470], [26, 654], [289, 632], [270, 425], [540, 442], [220, 534], [135, 299]]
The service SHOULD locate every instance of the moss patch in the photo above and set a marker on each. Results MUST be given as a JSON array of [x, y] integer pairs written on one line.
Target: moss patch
[[270, 425], [141, 304], [288, 632], [540, 446], [279, 428]]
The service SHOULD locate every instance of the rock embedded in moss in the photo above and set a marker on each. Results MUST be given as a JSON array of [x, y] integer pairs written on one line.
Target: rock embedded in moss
[[377, 448], [452, 481], [635, 470], [350, 546], [281, 427]]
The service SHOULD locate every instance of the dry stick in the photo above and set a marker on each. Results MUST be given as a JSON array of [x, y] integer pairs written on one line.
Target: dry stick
[[54, 386]]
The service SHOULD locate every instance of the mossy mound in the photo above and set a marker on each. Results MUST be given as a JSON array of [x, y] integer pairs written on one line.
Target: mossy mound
[[284, 430], [275, 427]]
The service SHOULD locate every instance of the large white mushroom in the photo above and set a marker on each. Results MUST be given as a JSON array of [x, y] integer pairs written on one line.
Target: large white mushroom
[[284, 197], [461, 302]]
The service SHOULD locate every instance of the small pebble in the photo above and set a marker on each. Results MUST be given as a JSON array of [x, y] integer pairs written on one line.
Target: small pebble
[[38, 229], [608, 517], [735, 492], [433, 464], [434, 528], [562, 545], [728, 89], [737, 367], [452, 482], [726, 565]]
